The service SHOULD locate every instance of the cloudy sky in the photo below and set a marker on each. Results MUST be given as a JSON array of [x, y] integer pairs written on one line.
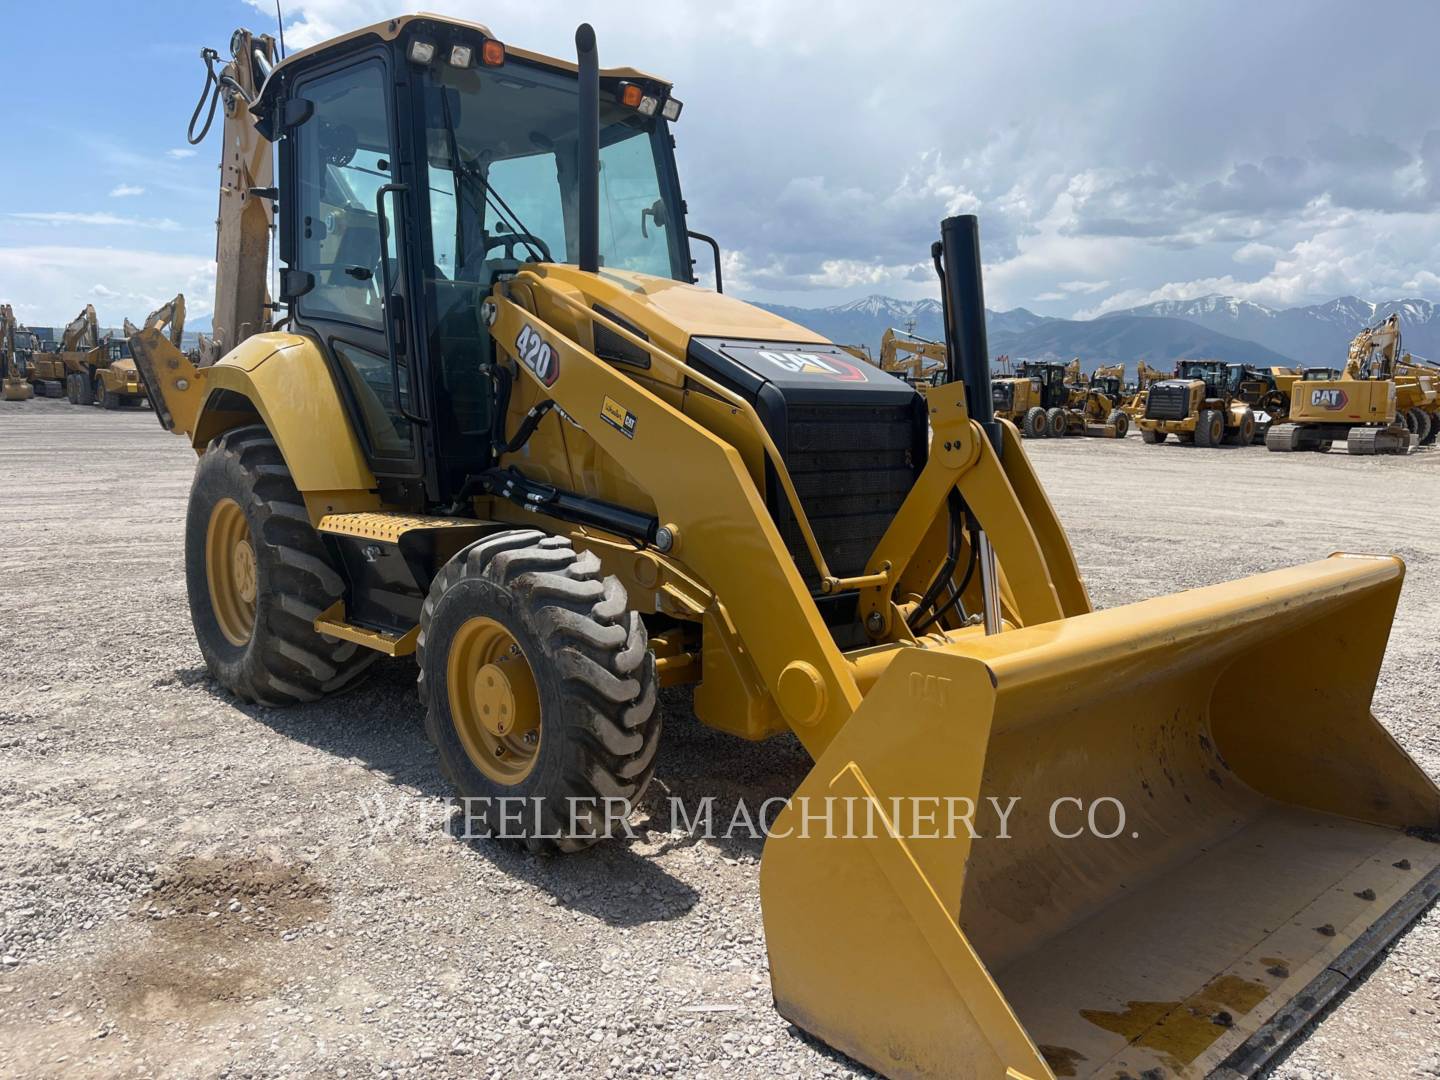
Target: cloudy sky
[[1116, 152]]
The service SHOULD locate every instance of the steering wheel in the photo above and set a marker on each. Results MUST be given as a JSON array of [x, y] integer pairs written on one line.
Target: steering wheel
[[510, 239]]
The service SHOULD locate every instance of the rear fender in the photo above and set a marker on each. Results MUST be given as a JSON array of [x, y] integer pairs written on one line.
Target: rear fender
[[278, 379]]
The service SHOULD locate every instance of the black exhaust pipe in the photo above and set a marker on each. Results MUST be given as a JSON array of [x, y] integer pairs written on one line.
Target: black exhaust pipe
[[957, 257], [588, 148]]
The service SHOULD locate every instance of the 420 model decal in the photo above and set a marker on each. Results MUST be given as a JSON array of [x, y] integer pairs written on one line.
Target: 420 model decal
[[536, 354]]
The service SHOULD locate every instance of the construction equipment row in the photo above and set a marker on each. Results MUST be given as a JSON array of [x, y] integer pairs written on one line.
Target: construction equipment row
[[85, 368], [539, 458]]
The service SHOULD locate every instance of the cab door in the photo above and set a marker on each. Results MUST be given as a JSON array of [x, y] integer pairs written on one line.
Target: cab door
[[340, 220]]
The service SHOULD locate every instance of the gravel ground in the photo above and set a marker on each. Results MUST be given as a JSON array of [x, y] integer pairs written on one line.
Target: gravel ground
[[192, 886]]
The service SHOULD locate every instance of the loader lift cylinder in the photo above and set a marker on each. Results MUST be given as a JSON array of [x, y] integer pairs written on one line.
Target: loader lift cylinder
[[968, 356], [588, 149], [965, 340]]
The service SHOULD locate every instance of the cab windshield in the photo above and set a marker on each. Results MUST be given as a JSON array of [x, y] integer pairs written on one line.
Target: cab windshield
[[502, 175]]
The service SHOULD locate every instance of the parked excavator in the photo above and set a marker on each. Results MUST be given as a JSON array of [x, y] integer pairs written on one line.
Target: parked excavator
[[118, 382], [918, 361], [14, 386], [1359, 408], [533, 453]]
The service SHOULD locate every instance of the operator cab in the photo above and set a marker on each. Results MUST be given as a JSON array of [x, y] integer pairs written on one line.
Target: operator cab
[[1321, 374], [421, 163], [1213, 373], [1048, 378]]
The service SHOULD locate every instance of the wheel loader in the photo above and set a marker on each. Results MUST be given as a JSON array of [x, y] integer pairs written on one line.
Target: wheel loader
[[1200, 405], [502, 430], [13, 384], [1358, 408]]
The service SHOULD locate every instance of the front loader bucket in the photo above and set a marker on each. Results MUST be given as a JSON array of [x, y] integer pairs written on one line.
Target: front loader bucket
[[1274, 839]]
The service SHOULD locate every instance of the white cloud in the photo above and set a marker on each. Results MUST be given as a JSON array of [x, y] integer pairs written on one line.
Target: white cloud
[[100, 219], [48, 283], [1086, 287], [123, 191], [180, 152]]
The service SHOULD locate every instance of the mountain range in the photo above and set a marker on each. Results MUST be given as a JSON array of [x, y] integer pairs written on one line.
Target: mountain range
[[1219, 327]]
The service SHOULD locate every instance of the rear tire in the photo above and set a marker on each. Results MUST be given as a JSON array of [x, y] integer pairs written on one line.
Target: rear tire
[[576, 717], [1422, 423], [1037, 426], [1058, 423], [1153, 436], [1121, 422], [72, 392], [1244, 433], [1434, 419], [254, 611], [85, 388], [107, 399]]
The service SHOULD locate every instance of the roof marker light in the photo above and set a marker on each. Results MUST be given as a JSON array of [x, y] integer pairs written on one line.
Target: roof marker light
[[630, 94], [671, 109], [460, 56], [421, 52], [648, 105], [492, 53]]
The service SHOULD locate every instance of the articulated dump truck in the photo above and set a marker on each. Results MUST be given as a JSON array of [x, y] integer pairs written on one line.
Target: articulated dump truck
[[535, 455]]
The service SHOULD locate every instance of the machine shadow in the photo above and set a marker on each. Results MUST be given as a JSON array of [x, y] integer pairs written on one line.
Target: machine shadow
[[707, 789]]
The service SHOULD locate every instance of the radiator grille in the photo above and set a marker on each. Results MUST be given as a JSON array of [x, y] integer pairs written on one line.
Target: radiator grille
[[852, 468], [1167, 401]]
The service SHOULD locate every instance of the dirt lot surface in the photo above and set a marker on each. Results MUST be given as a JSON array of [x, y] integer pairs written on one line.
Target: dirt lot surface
[[190, 886]]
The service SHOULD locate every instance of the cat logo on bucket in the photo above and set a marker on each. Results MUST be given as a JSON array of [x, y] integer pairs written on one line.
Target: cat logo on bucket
[[1329, 398]]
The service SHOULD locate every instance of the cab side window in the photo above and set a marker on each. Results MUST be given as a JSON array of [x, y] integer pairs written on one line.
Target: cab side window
[[343, 158]]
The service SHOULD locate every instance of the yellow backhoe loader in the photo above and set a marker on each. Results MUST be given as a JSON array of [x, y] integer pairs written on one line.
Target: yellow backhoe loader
[[14, 386], [1359, 408], [530, 451], [54, 373], [1133, 403], [118, 382], [919, 361]]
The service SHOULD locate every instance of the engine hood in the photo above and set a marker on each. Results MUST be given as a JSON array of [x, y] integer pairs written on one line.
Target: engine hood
[[673, 312]]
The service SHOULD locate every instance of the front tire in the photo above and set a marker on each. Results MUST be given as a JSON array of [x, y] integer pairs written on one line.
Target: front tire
[[1058, 422], [1121, 423], [1242, 434], [1153, 436], [258, 575], [1209, 428], [539, 690]]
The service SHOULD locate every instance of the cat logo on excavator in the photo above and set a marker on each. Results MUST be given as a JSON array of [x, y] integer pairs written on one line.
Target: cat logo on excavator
[[1332, 398]]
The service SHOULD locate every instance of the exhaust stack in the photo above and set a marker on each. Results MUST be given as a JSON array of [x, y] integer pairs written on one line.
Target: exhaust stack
[[588, 148]]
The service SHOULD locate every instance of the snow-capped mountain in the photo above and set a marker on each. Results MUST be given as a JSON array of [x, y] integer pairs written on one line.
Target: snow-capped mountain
[[862, 322], [1315, 334]]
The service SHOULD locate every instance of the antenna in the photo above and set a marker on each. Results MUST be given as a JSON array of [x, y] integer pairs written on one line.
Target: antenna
[[280, 22]]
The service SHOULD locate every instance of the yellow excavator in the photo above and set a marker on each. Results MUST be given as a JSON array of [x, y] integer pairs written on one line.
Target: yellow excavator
[[14, 386], [919, 361], [1359, 408], [521, 444]]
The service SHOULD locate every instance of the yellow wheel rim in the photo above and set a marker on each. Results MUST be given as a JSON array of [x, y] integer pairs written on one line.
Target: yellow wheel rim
[[494, 703], [230, 571]]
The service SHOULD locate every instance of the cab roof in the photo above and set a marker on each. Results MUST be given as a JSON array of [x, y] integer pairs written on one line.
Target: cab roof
[[391, 29]]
